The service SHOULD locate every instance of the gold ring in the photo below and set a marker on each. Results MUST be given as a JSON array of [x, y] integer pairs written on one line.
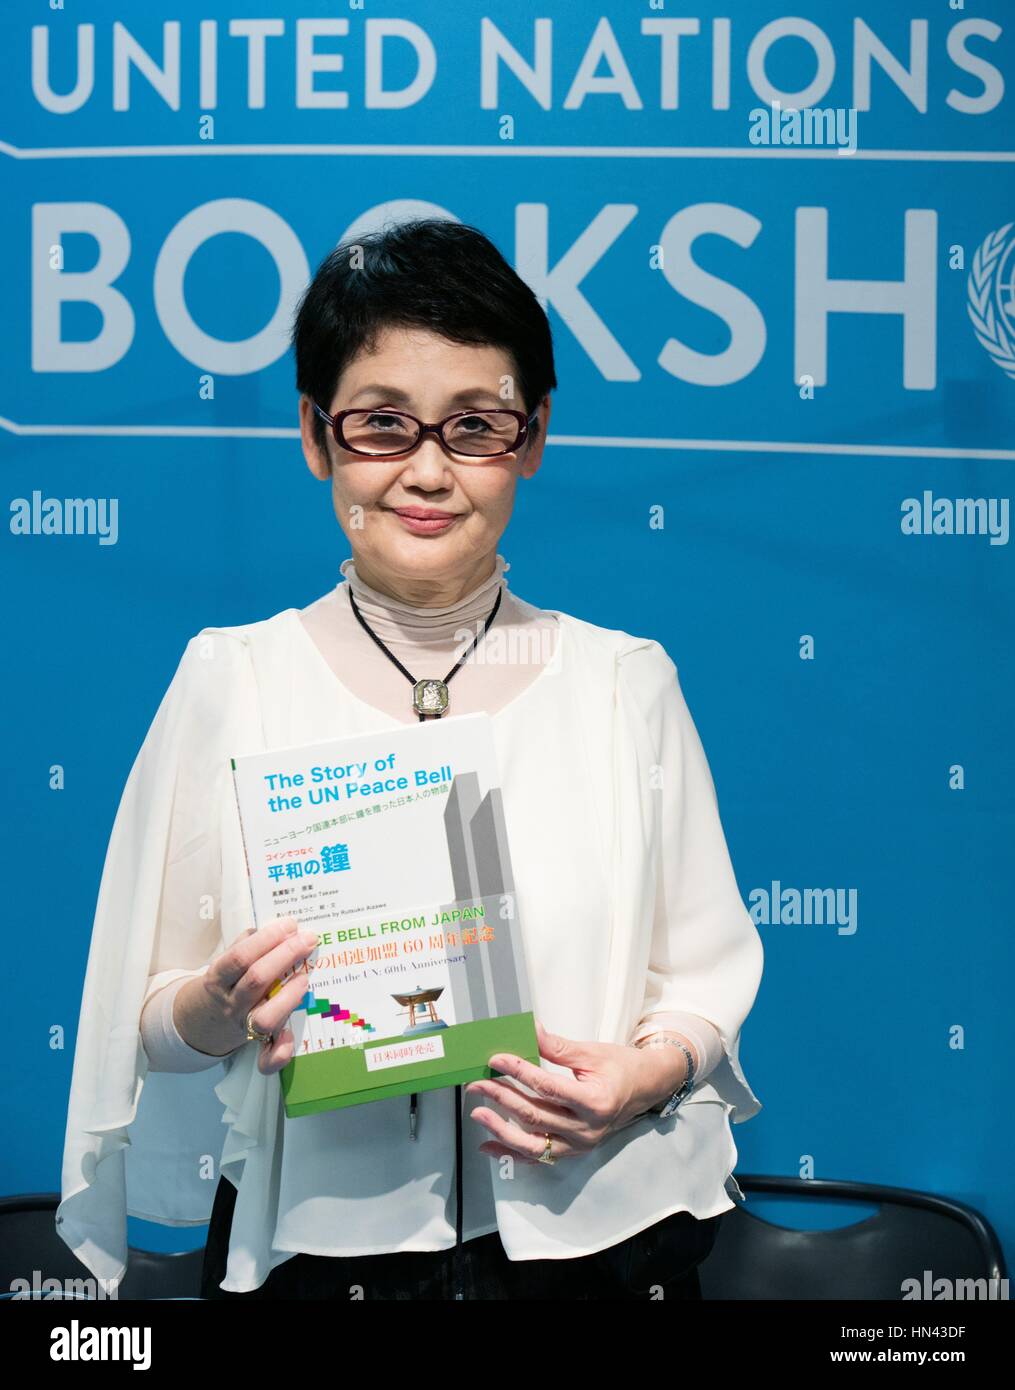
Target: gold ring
[[255, 1034], [547, 1155]]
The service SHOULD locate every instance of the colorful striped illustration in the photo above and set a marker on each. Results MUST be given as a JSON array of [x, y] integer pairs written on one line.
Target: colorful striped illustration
[[326, 1010], [311, 1013], [318, 1023]]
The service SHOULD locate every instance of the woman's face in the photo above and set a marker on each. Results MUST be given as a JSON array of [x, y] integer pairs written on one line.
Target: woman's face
[[430, 377]]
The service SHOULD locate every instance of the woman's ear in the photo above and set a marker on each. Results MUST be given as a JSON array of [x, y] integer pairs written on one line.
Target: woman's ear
[[533, 456], [316, 455]]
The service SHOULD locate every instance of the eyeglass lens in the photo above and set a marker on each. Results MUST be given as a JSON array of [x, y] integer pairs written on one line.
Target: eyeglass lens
[[386, 432]]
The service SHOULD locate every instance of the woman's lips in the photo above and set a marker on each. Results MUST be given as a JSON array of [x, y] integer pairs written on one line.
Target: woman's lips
[[424, 523]]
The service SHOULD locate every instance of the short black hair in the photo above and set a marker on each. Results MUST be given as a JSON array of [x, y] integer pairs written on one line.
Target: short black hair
[[430, 273]]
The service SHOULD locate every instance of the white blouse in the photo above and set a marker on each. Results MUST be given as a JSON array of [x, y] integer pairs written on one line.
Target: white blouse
[[427, 641], [630, 914]]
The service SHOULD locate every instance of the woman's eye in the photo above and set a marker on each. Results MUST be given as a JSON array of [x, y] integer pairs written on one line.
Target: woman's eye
[[473, 424], [385, 422]]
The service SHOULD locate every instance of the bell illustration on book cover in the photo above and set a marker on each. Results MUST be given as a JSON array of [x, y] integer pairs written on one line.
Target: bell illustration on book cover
[[424, 1001]]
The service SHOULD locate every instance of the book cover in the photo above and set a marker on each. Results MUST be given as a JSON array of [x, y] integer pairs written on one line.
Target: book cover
[[392, 846]]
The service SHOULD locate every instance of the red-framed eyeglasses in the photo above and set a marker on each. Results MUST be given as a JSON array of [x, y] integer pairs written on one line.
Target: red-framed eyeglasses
[[471, 434]]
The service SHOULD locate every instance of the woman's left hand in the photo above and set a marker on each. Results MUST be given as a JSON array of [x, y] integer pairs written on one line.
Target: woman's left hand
[[612, 1086]]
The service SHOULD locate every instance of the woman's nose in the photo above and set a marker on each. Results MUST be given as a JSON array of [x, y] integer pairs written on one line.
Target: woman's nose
[[428, 463]]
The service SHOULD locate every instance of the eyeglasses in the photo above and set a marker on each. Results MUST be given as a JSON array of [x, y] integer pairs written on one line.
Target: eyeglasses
[[469, 433]]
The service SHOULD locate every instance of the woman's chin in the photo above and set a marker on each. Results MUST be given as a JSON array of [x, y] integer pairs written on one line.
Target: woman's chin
[[403, 547]]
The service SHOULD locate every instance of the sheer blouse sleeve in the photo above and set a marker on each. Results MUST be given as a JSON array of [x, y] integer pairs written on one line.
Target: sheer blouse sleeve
[[134, 1135], [705, 956]]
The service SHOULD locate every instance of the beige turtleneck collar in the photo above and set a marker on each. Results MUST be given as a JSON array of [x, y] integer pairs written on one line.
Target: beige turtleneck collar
[[394, 620], [428, 641]]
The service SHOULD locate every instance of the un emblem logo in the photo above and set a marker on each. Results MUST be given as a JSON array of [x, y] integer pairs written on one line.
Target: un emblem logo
[[992, 297]]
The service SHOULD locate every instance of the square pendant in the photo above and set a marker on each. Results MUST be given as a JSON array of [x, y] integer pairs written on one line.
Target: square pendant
[[430, 697]]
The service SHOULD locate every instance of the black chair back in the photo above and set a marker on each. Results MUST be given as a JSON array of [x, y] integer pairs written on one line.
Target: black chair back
[[914, 1236], [31, 1250]]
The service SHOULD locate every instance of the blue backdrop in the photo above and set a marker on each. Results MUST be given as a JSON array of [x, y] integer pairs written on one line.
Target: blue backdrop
[[786, 353]]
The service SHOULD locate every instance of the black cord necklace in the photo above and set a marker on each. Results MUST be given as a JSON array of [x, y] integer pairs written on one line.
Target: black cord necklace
[[429, 697], [430, 701]]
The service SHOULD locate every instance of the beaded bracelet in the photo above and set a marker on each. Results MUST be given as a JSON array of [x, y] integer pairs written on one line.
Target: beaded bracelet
[[668, 1106]]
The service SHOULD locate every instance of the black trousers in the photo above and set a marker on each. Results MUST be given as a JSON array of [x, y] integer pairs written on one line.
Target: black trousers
[[660, 1262]]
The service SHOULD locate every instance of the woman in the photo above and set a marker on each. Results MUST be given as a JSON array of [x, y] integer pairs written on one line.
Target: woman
[[425, 367]]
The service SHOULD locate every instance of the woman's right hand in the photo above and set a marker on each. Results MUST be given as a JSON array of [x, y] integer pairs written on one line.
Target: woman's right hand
[[210, 1011]]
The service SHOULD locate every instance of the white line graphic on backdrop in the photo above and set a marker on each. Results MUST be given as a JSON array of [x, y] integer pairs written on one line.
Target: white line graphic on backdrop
[[580, 441], [509, 151]]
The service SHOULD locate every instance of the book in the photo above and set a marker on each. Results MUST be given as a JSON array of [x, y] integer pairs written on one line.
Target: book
[[393, 847]]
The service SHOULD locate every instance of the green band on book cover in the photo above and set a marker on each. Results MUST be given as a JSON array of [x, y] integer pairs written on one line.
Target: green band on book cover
[[338, 1077]]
